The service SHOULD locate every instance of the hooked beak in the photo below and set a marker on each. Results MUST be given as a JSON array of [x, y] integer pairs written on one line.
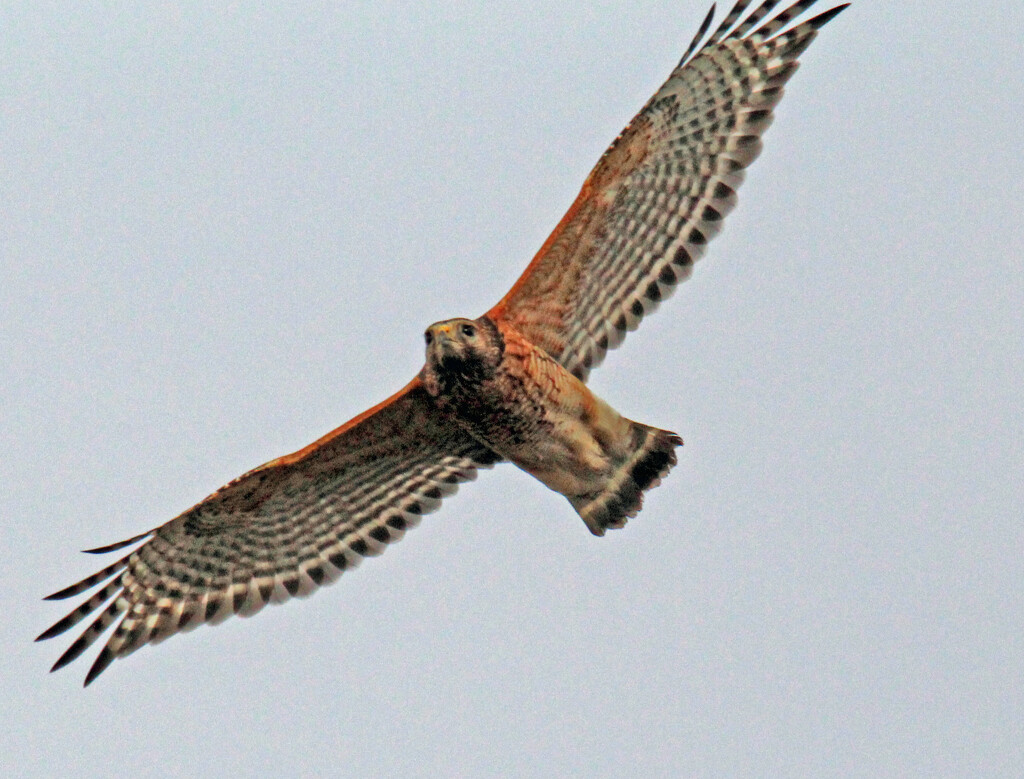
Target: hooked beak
[[443, 346]]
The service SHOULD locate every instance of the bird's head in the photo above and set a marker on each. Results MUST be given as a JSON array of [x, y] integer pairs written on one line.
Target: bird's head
[[461, 350]]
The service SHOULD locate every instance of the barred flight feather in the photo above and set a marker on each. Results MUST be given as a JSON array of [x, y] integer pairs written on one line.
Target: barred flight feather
[[662, 190], [279, 532]]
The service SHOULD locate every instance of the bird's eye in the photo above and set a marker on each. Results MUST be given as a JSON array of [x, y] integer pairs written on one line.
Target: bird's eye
[[428, 337], [468, 330]]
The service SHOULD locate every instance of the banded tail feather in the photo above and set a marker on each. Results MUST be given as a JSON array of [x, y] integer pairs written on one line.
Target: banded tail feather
[[652, 457]]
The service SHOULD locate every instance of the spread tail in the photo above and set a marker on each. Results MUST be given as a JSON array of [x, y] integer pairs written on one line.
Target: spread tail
[[650, 459]]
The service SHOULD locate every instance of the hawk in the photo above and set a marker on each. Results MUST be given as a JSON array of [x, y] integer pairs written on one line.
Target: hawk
[[507, 386]]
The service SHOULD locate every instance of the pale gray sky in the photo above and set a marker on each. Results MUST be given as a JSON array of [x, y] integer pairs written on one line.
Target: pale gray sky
[[223, 232]]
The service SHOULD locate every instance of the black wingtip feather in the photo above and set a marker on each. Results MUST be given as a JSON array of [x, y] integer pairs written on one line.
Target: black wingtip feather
[[72, 653], [699, 36], [78, 587], [59, 627], [103, 661], [118, 545], [89, 581], [824, 18], [67, 592]]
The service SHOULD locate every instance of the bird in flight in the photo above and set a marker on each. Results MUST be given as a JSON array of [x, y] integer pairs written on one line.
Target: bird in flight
[[506, 386]]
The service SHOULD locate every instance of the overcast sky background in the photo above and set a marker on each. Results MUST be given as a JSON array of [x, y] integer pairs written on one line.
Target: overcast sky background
[[223, 231]]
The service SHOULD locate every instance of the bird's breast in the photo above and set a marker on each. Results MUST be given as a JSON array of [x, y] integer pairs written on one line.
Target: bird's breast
[[539, 416]]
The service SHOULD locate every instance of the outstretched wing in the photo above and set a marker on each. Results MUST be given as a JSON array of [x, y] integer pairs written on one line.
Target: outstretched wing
[[659, 194], [280, 530]]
